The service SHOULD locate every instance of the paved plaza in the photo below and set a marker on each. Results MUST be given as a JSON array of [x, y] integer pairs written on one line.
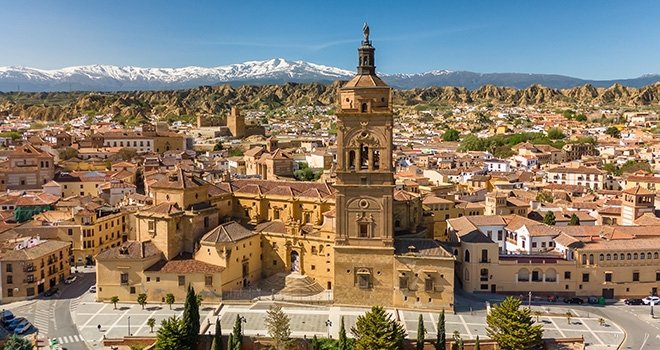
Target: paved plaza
[[309, 321]]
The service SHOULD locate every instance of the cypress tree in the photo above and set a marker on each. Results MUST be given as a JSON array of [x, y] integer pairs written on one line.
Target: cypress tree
[[549, 218], [343, 339], [421, 333], [512, 327], [191, 317], [575, 220], [315, 343], [237, 334], [217, 337], [477, 346], [277, 324], [440, 342]]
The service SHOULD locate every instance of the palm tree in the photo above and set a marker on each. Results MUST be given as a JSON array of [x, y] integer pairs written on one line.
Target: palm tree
[[568, 315], [114, 300], [601, 321], [169, 299], [537, 314], [151, 323]]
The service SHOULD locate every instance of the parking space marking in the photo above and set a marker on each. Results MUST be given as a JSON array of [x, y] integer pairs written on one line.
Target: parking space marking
[[466, 326], [144, 324], [94, 315], [557, 327], [433, 322], [591, 331]]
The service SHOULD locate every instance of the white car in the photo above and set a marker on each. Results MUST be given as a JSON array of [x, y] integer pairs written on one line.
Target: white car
[[70, 279], [651, 300], [92, 289]]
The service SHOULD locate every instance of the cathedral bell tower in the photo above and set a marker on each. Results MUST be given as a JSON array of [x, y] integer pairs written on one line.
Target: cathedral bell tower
[[364, 244], [364, 159]]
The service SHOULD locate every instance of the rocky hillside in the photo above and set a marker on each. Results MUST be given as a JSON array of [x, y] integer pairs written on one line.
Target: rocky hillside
[[217, 99]]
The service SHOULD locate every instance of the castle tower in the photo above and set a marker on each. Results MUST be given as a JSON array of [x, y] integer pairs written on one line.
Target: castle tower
[[236, 123], [635, 202], [365, 180]]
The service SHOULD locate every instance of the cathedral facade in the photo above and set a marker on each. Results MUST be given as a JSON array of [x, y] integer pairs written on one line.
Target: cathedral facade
[[311, 236]]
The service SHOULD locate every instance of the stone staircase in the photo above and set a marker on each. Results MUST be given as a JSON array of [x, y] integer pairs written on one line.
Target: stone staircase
[[275, 282], [300, 285]]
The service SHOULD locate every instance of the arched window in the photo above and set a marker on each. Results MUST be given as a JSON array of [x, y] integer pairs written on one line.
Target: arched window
[[623, 257], [551, 275], [591, 259], [364, 156], [601, 257], [616, 256], [376, 159], [467, 256], [584, 259], [648, 255], [364, 107], [655, 255], [608, 257], [523, 275], [629, 256], [635, 256], [351, 160], [467, 274], [642, 256]]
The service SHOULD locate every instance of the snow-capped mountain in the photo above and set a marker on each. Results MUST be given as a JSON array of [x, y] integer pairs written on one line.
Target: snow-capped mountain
[[274, 71], [106, 77]]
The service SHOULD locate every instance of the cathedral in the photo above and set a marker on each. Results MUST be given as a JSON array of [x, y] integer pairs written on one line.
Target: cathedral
[[359, 240]]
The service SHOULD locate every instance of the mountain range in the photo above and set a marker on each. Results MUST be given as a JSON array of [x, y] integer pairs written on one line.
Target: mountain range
[[274, 71]]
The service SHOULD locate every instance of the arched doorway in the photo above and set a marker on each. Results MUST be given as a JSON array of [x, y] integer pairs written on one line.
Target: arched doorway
[[295, 261]]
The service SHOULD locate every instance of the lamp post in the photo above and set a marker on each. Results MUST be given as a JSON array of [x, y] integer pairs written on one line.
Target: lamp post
[[243, 320], [529, 300], [652, 302], [129, 326], [328, 324]]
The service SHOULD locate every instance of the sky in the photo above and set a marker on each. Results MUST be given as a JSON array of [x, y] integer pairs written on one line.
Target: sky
[[590, 39]]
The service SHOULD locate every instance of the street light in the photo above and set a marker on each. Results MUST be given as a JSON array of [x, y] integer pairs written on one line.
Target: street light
[[328, 324], [530, 300], [129, 326], [243, 320]]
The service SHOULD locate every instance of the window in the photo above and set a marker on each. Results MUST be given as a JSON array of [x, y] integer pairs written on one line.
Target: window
[[10, 279], [429, 284], [533, 244], [182, 280], [208, 280], [152, 225], [124, 278], [132, 290], [10, 292], [467, 256], [364, 279], [363, 230], [567, 275], [9, 268], [403, 281], [608, 277], [635, 276], [206, 222], [585, 277], [657, 276], [499, 235], [601, 257]]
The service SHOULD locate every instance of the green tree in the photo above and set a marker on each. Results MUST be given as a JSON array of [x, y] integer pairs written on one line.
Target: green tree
[[601, 321], [575, 220], [477, 345], [343, 339], [125, 154], [613, 131], [217, 337], [512, 327], [169, 299], [142, 300], [421, 333], [199, 299], [549, 218], [14, 135], [218, 146], [457, 344], [172, 335], [555, 134], [68, 153], [191, 317], [377, 330], [441, 336], [114, 300], [235, 153], [581, 118], [544, 196], [536, 314], [451, 135], [237, 334], [151, 322], [314, 344], [568, 316], [279, 329], [16, 342]]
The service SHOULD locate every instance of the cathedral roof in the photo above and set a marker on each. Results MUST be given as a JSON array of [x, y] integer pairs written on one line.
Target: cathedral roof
[[227, 232], [419, 247], [364, 80], [184, 263]]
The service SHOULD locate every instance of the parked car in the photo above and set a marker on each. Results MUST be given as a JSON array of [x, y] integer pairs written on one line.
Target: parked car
[[51, 292], [574, 300], [651, 300], [17, 323], [23, 328], [70, 279], [633, 302], [552, 298], [92, 289], [6, 316], [592, 300]]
